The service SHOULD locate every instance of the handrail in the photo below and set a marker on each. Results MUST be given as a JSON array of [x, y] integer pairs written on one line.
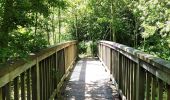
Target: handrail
[[39, 76], [138, 75]]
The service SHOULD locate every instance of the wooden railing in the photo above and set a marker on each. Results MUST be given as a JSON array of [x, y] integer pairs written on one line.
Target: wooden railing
[[40, 76], [137, 75]]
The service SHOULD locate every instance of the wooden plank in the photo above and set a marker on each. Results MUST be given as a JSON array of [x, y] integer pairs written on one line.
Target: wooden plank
[[148, 86], [128, 79], [158, 73], [23, 86], [44, 79], [28, 85], [47, 78], [41, 79], [131, 80], [49, 75], [153, 90], [10, 72], [140, 83], [38, 79], [16, 88], [123, 74], [160, 64], [7, 91], [126, 76], [119, 68], [34, 83], [53, 69], [160, 90], [120, 71], [1, 98], [168, 92]]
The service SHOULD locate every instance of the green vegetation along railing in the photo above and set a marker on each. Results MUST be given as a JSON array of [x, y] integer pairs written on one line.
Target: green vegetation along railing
[[137, 75], [40, 76]]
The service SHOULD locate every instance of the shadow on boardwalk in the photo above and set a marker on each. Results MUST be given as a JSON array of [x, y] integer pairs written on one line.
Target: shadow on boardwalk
[[89, 81]]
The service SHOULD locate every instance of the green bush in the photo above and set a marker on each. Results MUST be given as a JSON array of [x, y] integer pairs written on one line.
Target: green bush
[[82, 47], [21, 44], [93, 47]]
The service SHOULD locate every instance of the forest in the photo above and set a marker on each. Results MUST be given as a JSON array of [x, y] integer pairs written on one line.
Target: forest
[[27, 26]]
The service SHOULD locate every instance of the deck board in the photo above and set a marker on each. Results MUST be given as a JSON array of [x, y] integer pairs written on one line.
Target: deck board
[[90, 81]]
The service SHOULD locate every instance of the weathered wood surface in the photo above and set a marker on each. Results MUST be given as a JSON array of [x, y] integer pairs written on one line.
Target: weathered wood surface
[[37, 77], [90, 81], [139, 75]]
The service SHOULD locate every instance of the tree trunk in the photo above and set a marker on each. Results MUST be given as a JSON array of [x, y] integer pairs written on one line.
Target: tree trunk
[[53, 28], [59, 22], [111, 25], [7, 23], [36, 22], [77, 36]]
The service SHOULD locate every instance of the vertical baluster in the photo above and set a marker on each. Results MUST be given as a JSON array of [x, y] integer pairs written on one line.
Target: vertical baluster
[[130, 61], [153, 90], [38, 79], [134, 80], [118, 68], [131, 80], [140, 83], [148, 83], [120, 71], [23, 86], [53, 64], [113, 65], [160, 90], [63, 54], [126, 76], [123, 74], [7, 91], [128, 79], [16, 88], [28, 85], [168, 92], [41, 80], [49, 76], [44, 79], [34, 83], [1, 96]]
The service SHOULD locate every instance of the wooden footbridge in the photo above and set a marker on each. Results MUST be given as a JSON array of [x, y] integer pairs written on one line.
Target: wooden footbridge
[[135, 75]]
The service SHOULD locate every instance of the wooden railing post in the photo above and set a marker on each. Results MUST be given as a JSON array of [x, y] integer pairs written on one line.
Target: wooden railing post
[[1, 94], [140, 82], [38, 79]]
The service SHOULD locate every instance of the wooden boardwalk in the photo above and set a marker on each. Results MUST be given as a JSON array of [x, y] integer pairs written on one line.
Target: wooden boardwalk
[[90, 81]]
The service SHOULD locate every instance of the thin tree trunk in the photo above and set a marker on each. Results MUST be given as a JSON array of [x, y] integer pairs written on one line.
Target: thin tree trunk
[[59, 23], [6, 23], [112, 18], [36, 23], [48, 34], [77, 36], [53, 28]]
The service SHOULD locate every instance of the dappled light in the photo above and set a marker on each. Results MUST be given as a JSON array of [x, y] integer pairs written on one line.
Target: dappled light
[[89, 80], [84, 49]]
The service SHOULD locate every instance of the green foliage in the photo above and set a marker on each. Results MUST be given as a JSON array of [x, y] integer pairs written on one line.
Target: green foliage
[[26, 26], [82, 47], [93, 47], [21, 45]]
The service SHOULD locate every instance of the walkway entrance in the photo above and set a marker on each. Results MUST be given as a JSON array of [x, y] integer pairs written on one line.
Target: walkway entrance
[[90, 81]]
